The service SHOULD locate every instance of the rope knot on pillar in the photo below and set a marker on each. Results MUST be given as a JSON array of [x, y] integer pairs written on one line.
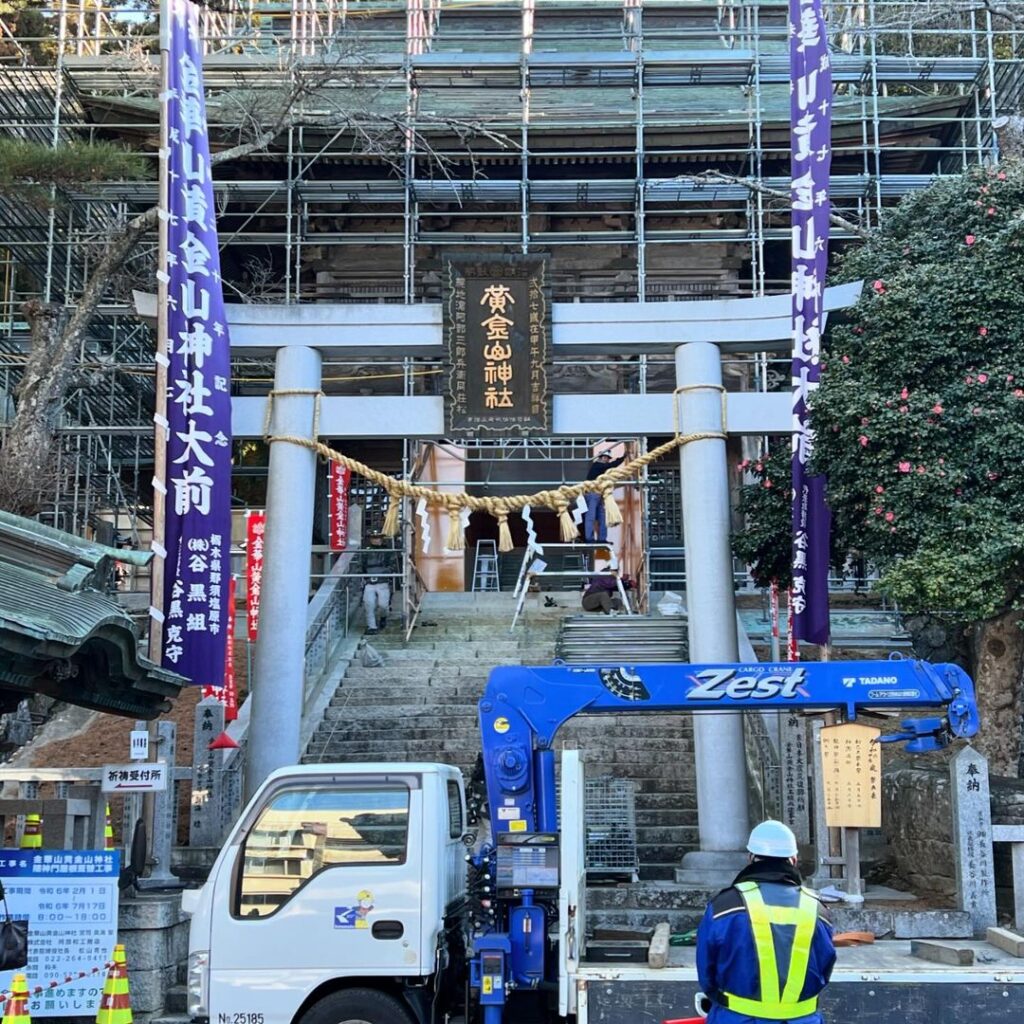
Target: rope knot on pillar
[[315, 393]]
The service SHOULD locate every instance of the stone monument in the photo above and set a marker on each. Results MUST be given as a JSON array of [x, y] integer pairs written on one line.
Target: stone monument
[[972, 838]]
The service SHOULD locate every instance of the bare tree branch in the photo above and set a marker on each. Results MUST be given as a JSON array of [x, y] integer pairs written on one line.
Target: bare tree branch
[[333, 97], [773, 193], [1005, 12]]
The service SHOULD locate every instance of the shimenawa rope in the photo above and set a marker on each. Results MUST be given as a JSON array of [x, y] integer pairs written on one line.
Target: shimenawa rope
[[560, 499]]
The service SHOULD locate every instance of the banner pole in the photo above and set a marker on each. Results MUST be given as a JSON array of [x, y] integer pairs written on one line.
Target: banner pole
[[158, 542], [156, 595]]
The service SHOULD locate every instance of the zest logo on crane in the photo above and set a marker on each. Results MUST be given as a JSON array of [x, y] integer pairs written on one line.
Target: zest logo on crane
[[716, 683]]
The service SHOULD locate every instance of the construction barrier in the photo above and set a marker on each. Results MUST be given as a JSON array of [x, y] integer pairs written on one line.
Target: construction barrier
[[6, 997], [115, 1004], [16, 1010]]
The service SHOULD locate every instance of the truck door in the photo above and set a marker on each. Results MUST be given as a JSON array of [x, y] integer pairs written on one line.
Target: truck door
[[324, 883]]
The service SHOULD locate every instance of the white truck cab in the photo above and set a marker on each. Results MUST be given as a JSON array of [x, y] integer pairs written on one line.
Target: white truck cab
[[337, 897]]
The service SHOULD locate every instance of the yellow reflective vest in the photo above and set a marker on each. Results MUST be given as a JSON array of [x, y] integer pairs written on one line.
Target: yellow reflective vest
[[780, 997]]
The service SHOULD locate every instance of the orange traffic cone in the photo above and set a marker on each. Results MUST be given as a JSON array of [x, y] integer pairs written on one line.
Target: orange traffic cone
[[32, 837], [115, 1005], [108, 831], [16, 1009]]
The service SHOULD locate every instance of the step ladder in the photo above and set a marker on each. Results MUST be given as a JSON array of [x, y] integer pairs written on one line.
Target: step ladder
[[485, 567], [575, 560]]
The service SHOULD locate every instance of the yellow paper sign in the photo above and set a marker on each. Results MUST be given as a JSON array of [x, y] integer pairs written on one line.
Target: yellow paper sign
[[851, 765]]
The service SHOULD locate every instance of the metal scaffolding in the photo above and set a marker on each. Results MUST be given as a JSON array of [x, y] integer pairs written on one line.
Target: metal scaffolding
[[643, 145]]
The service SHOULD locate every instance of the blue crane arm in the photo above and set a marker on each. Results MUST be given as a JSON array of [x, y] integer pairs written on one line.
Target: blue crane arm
[[523, 708]]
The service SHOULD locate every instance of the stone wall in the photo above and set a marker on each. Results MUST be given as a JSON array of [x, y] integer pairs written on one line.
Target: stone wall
[[917, 817]]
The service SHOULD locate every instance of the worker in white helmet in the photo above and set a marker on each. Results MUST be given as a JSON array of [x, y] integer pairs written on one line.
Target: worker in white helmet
[[764, 945]]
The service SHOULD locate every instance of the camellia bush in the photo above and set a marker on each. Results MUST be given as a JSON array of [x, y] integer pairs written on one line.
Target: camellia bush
[[766, 501], [919, 423]]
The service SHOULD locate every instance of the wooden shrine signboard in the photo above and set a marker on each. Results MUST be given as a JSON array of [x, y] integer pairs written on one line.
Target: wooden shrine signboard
[[851, 769], [497, 331]]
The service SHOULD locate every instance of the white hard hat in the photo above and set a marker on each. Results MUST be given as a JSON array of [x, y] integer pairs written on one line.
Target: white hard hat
[[772, 839]]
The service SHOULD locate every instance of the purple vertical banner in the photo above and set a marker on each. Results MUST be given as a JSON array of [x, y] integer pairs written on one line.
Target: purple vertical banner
[[198, 525], [811, 161]]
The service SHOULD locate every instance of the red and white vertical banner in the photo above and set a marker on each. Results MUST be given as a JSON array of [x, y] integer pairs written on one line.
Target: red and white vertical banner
[[792, 643], [773, 611], [230, 697], [256, 527], [338, 481]]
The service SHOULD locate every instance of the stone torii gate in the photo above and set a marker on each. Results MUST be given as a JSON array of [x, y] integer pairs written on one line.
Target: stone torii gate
[[696, 332]]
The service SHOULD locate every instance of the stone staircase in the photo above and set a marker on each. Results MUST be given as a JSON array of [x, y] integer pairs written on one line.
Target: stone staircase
[[422, 705]]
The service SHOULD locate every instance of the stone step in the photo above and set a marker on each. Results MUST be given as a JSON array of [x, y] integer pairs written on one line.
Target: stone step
[[453, 630], [176, 1000], [657, 787], [398, 748], [387, 711], [655, 801], [640, 920], [638, 753], [407, 667], [449, 645], [658, 872], [341, 748], [399, 695], [399, 652], [640, 896], [647, 817], [663, 853], [441, 757], [422, 706], [670, 835], [654, 743]]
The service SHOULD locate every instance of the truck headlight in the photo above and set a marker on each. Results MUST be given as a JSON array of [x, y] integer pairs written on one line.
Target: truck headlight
[[199, 983]]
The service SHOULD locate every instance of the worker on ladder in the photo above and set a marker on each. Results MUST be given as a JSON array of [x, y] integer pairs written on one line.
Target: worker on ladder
[[764, 945], [594, 515]]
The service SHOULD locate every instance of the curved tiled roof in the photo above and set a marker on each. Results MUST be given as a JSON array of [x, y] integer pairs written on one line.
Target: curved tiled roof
[[62, 635]]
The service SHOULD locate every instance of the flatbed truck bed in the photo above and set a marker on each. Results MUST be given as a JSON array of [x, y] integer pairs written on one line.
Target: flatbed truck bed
[[871, 985]]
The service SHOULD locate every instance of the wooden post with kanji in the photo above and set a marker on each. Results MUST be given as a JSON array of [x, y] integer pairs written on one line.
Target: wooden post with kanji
[[851, 773]]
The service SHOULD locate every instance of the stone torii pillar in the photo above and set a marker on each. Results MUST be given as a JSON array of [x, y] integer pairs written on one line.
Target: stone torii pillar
[[278, 683], [721, 765]]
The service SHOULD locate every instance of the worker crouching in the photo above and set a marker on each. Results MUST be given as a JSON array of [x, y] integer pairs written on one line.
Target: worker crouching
[[764, 945]]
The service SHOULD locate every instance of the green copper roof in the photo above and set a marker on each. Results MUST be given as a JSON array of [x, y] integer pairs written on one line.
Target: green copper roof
[[61, 635]]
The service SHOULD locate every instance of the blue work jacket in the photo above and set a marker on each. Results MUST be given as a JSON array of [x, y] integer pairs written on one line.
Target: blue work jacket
[[727, 957]]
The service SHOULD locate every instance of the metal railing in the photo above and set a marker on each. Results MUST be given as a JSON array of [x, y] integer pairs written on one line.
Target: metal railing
[[412, 597], [330, 617]]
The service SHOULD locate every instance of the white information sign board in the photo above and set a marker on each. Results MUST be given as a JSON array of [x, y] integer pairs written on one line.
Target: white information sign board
[[135, 778], [69, 898], [139, 745]]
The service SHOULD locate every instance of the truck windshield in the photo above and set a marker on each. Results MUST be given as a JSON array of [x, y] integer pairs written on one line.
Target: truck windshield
[[304, 831]]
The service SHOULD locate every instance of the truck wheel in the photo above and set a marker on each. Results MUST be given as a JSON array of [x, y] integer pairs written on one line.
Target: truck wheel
[[357, 1006]]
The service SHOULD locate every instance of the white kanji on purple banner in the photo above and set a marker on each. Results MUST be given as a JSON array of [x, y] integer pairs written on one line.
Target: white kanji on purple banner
[[811, 161], [198, 520]]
